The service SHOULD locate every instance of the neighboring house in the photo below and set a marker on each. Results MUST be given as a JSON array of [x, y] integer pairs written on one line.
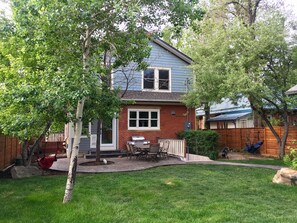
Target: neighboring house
[[157, 110], [292, 90], [293, 118], [226, 115]]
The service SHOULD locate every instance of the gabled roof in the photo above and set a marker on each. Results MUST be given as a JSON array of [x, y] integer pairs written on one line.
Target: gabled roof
[[228, 117], [292, 91], [172, 50]]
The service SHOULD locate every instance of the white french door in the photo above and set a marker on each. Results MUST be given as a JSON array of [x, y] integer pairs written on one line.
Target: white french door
[[108, 137]]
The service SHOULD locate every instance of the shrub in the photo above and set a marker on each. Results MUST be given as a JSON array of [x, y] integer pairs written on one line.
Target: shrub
[[291, 158], [201, 142]]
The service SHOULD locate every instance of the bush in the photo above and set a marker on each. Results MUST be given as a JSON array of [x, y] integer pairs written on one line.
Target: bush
[[200, 142], [291, 158]]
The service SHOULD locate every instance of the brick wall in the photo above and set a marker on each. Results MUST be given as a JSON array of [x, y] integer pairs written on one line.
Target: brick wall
[[169, 124]]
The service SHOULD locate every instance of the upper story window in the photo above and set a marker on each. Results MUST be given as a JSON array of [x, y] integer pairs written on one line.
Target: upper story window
[[157, 79]]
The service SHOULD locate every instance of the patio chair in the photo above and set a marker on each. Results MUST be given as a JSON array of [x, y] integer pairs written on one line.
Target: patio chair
[[164, 149], [153, 152], [129, 151], [132, 151], [253, 148]]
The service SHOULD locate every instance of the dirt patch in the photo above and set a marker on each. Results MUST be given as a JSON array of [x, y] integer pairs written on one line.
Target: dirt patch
[[243, 156]]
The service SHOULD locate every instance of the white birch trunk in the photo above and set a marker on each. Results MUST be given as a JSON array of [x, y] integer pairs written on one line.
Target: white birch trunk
[[74, 153], [78, 125]]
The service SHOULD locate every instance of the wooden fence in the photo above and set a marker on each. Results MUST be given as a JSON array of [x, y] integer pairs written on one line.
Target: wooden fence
[[9, 149], [238, 138], [177, 147]]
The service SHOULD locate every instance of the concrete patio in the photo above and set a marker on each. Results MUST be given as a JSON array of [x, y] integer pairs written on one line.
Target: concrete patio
[[120, 164], [123, 164]]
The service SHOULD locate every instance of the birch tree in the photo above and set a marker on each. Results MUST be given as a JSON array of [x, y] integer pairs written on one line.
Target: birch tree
[[70, 38]]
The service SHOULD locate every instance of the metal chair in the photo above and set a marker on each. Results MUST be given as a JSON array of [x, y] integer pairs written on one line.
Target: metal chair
[[154, 152], [129, 151], [164, 149], [132, 151]]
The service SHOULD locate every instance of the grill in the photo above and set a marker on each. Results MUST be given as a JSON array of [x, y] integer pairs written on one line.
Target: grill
[[140, 141]]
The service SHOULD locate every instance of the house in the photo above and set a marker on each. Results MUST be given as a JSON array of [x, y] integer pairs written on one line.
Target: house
[[157, 110], [227, 115], [292, 90], [293, 117]]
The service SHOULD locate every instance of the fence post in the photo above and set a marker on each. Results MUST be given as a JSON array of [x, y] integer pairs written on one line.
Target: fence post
[[185, 149]]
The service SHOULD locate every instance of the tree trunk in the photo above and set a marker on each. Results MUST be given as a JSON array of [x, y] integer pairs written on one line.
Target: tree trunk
[[25, 152], [37, 142], [281, 141], [207, 115], [86, 45], [74, 153], [99, 131], [282, 146]]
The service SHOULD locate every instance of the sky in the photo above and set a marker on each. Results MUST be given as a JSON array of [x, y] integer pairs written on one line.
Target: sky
[[289, 4]]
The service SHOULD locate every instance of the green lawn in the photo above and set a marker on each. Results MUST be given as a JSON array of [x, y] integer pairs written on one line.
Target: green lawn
[[275, 162], [187, 193]]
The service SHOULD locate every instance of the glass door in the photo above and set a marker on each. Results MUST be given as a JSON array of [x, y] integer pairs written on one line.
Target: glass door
[[108, 136]]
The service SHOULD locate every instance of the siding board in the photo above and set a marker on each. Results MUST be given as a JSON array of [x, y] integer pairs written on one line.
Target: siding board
[[159, 58]]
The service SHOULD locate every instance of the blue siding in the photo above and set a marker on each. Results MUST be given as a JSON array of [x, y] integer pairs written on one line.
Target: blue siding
[[94, 127], [159, 58], [84, 145]]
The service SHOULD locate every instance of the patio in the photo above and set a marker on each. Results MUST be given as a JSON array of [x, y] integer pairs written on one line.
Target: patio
[[120, 164], [123, 164]]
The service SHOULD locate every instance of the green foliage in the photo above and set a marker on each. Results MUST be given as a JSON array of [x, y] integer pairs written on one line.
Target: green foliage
[[201, 142], [237, 56], [291, 158], [43, 72]]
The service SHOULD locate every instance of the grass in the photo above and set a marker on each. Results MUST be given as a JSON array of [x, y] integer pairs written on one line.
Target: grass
[[275, 162], [187, 193]]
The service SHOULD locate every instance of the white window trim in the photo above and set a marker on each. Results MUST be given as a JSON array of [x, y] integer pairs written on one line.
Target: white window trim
[[156, 81], [137, 118]]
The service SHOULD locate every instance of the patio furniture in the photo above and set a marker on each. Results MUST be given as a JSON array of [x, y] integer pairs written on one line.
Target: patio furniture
[[253, 148], [153, 152], [129, 151], [141, 149], [132, 151], [164, 146]]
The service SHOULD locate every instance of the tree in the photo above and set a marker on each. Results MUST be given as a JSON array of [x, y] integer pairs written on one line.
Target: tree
[[256, 61], [31, 97], [73, 37], [210, 55]]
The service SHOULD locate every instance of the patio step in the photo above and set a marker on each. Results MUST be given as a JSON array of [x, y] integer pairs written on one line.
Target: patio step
[[105, 154]]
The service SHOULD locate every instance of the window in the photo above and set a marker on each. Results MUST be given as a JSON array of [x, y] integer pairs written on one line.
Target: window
[[157, 79], [106, 134], [243, 123], [143, 119]]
